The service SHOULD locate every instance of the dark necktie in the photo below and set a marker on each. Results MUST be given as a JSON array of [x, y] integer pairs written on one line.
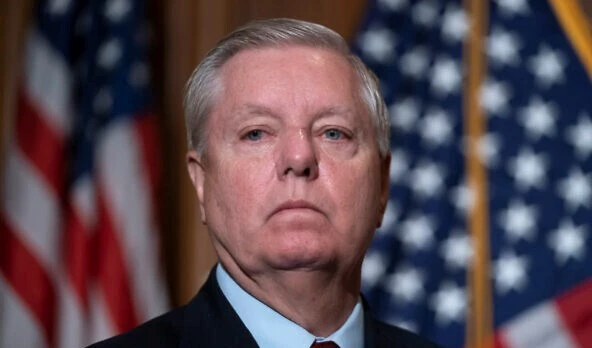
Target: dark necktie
[[326, 344]]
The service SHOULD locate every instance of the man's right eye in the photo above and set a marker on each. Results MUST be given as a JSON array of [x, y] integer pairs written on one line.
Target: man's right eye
[[255, 134]]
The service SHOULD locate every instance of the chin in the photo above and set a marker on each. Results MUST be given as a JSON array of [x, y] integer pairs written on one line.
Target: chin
[[299, 248], [301, 259]]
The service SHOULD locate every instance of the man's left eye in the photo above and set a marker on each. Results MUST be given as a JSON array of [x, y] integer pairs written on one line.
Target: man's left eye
[[254, 135], [333, 134]]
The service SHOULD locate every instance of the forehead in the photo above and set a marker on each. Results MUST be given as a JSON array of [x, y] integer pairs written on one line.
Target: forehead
[[295, 71], [296, 54]]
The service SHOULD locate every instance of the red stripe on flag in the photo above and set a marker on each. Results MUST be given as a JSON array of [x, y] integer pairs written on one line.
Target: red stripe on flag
[[112, 271], [498, 340], [77, 255], [575, 307], [40, 142], [29, 279]]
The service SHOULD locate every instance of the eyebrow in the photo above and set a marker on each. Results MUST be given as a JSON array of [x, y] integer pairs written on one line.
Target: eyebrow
[[334, 110], [256, 110], [247, 111]]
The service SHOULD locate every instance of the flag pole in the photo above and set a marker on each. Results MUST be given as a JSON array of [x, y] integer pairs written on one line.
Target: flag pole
[[479, 321]]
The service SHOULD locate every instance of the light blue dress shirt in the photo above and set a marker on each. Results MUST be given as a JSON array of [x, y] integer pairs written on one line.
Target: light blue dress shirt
[[272, 330]]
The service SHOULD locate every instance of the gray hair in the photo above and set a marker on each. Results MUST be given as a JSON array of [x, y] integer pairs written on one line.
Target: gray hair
[[203, 86]]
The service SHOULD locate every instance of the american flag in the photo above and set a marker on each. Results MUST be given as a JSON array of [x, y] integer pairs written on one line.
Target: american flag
[[533, 253], [79, 248]]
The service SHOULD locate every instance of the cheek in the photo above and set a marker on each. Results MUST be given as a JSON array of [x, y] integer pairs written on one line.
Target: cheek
[[250, 179], [356, 193], [239, 186]]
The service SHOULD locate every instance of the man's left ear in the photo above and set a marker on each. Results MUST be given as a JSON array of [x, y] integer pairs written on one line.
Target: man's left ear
[[385, 166]]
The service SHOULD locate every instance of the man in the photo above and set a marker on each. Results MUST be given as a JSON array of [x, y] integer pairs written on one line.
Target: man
[[289, 157]]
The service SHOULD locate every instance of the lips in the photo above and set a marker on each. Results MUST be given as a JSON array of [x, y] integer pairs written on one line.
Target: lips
[[295, 205]]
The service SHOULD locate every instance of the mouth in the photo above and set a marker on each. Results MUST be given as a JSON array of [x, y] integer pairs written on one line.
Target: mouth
[[295, 205]]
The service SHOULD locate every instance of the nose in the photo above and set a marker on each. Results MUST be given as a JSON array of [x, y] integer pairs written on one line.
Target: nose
[[298, 157]]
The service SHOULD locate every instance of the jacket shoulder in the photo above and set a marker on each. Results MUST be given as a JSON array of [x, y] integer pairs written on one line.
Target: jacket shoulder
[[208, 320], [393, 336], [162, 331]]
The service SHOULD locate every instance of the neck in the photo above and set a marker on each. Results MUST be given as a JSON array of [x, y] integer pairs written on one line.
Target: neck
[[320, 301]]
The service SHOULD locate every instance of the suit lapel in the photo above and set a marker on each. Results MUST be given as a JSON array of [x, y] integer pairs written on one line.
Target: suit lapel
[[374, 337], [210, 321]]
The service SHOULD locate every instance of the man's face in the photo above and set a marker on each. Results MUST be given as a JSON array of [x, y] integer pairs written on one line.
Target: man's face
[[291, 177]]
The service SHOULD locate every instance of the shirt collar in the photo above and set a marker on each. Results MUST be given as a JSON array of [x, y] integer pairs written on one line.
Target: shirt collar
[[271, 329]]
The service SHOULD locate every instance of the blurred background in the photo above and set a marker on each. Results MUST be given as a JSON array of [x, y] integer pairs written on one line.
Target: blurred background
[[487, 238]]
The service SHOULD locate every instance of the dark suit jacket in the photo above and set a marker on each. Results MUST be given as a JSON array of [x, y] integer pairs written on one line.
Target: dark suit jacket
[[210, 321]]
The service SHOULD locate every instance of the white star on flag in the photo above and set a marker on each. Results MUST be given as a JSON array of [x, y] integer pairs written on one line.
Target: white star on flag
[[568, 242], [548, 66], [449, 303], [415, 62], [373, 268], [404, 114], [494, 97], [538, 118], [463, 199], [455, 23], [109, 54], [509, 272], [576, 189], [436, 127], [378, 44], [519, 221], [457, 250], [116, 10], [503, 47], [425, 13], [406, 284], [580, 136], [529, 169], [446, 76], [417, 232], [427, 179]]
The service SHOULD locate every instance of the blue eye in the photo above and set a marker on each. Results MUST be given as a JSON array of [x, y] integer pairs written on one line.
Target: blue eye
[[255, 134], [333, 134]]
